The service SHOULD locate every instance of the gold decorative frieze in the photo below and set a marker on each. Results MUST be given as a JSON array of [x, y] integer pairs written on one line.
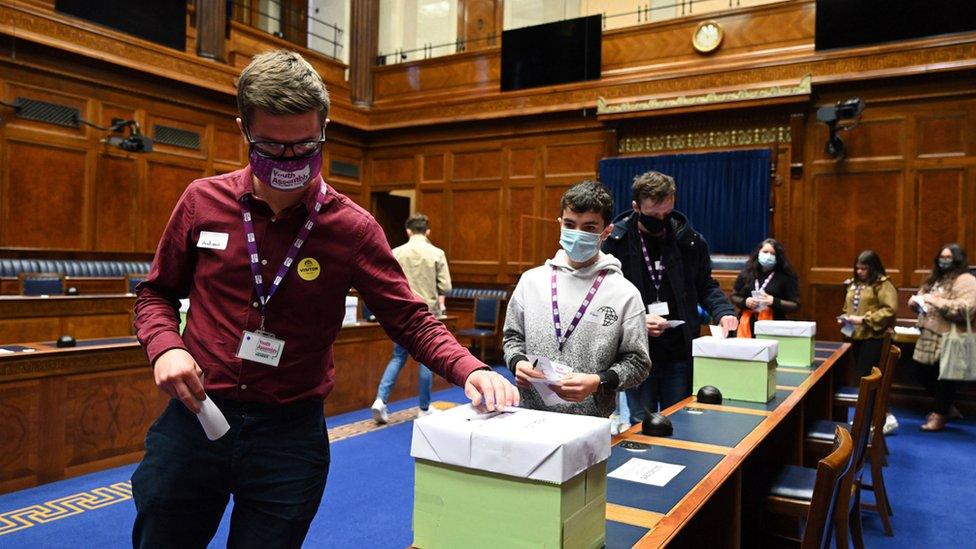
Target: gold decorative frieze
[[704, 140], [710, 98]]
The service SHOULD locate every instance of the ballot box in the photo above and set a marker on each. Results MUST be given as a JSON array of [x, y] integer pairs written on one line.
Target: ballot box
[[525, 478], [742, 369], [795, 340]]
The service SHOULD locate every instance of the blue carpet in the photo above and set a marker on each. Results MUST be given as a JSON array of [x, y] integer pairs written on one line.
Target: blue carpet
[[368, 499]]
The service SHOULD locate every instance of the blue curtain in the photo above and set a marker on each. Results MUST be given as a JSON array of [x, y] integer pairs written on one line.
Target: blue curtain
[[724, 194]]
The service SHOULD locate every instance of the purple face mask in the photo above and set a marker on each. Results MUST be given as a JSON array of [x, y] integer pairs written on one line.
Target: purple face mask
[[286, 174]]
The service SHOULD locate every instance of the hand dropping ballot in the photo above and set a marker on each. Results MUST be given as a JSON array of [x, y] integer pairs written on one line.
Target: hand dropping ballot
[[554, 372]]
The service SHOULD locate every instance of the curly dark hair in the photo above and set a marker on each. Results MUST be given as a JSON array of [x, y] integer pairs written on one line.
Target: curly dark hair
[[754, 271], [588, 196], [960, 265]]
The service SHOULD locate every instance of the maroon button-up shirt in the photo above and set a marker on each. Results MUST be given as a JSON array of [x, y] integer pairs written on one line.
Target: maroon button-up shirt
[[351, 250]]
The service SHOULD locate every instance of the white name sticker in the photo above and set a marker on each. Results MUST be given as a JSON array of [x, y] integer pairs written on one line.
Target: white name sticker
[[660, 308], [214, 241], [261, 347]]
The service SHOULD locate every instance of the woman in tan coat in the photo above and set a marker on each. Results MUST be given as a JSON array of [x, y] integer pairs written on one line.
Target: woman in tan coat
[[869, 312], [944, 300]]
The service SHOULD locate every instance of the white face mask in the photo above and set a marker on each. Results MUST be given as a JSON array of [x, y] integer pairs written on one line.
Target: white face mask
[[767, 260], [580, 246]]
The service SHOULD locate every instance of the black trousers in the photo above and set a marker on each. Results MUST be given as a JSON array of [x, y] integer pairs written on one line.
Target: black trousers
[[866, 354], [274, 460], [943, 391]]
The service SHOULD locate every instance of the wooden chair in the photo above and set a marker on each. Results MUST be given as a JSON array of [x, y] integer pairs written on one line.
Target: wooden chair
[[485, 324], [846, 396], [877, 447], [41, 283], [848, 518], [825, 485]]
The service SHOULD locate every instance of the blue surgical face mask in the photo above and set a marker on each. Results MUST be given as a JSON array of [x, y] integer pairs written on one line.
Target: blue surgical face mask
[[945, 263], [767, 260], [580, 246]]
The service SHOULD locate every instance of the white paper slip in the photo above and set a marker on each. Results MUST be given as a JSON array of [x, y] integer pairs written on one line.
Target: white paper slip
[[673, 323], [214, 241], [907, 330], [716, 331], [6, 352], [645, 471], [213, 420], [553, 372]]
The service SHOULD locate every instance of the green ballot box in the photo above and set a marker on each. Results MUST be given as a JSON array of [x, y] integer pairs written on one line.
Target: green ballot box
[[742, 369], [795, 340], [531, 479]]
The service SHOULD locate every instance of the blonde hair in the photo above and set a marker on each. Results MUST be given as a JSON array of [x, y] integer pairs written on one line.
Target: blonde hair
[[281, 82]]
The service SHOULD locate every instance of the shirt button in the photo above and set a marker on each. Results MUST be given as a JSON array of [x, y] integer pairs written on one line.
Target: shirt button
[[264, 261], [255, 304], [243, 386], [274, 218]]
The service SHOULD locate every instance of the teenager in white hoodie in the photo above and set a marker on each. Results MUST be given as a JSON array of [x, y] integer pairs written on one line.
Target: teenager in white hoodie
[[599, 331]]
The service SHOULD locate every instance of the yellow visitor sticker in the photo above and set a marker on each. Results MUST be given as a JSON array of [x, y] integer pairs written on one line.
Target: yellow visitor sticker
[[308, 269]]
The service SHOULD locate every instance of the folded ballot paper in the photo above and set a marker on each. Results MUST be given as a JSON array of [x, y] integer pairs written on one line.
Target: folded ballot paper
[[554, 371], [532, 444]]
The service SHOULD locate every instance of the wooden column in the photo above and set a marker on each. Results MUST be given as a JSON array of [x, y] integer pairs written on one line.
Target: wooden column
[[211, 24], [364, 47]]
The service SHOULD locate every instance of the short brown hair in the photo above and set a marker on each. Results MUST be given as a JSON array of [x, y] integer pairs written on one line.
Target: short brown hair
[[417, 223], [588, 196], [281, 82], [654, 185]]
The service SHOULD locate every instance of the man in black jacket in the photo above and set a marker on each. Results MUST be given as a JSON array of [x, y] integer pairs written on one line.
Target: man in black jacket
[[668, 261]]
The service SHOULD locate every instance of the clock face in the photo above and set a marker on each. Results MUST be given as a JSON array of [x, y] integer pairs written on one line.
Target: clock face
[[707, 37]]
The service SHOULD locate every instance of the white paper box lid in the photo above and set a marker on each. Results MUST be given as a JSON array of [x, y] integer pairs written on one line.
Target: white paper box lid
[[531, 444], [761, 350], [793, 328]]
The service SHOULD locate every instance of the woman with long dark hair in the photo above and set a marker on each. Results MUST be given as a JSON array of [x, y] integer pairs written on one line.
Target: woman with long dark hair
[[767, 288], [869, 312], [946, 299]]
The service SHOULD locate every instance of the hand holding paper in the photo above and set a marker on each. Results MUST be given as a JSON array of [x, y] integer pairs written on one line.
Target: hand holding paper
[[553, 373]]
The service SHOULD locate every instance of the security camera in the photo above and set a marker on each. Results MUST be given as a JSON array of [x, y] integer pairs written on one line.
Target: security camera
[[842, 116], [133, 143]]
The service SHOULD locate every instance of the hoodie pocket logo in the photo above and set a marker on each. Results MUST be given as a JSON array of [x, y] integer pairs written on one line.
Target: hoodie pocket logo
[[609, 315]]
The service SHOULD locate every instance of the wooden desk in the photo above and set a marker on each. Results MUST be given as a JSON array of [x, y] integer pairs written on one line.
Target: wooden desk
[[727, 450], [86, 285], [67, 412], [33, 318]]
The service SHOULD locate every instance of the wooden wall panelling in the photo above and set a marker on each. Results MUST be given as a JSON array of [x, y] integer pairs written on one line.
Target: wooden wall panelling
[[20, 460], [480, 23], [51, 186], [116, 199], [166, 182]]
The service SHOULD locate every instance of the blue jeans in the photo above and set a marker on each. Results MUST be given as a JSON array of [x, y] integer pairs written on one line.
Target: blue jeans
[[425, 380], [667, 384], [274, 460]]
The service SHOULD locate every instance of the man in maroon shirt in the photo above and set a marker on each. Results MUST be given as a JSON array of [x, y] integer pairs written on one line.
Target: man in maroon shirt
[[267, 255]]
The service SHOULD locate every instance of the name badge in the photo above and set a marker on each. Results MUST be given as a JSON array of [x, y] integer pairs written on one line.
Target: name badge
[[214, 241], [261, 347], [660, 308]]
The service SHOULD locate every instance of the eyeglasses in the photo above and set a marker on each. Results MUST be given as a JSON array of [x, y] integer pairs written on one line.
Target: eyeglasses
[[275, 149]]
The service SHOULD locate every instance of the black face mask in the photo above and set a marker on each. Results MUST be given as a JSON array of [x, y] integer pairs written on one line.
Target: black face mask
[[653, 224]]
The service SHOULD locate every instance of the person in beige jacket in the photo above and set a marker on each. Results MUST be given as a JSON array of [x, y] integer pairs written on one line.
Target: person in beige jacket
[[945, 299]]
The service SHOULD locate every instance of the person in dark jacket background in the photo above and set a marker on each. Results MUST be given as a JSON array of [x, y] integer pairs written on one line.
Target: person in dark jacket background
[[668, 261]]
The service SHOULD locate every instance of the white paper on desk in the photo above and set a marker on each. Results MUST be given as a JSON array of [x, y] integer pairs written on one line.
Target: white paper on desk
[[213, 420], [907, 330], [645, 471], [6, 351], [717, 331], [554, 371]]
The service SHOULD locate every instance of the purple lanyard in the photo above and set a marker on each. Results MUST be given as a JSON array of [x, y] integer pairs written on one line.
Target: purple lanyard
[[764, 284], [657, 276], [252, 250], [560, 339]]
